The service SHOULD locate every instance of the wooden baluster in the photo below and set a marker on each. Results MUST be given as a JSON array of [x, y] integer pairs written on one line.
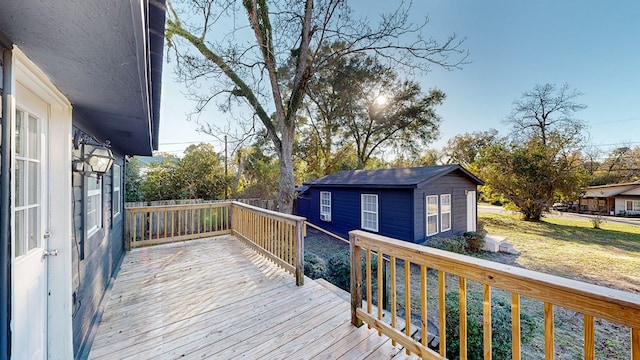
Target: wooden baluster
[[442, 313], [164, 217], [549, 349], [423, 304], [407, 299], [380, 287], [515, 326], [300, 254], [173, 223], [463, 318], [486, 322], [368, 280], [394, 315], [179, 211], [157, 225], [589, 338], [143, 226], [355, 255], [134, 234], [635, 344]]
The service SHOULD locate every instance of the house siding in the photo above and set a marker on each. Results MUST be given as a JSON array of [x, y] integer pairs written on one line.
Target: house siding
[[96, 258], [456, 184], [394, 211]]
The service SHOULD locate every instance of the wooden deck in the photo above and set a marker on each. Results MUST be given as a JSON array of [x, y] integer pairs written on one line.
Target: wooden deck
[[216, 298]]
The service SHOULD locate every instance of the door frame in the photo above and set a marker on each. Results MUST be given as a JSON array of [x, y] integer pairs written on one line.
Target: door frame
[[472, 210], [59, 340]]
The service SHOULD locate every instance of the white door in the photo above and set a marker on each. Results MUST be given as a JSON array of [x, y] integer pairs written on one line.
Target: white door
[[30, 225], [472, 209]]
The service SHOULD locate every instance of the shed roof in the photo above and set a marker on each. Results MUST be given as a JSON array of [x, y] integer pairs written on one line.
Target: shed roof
[[391, 178]]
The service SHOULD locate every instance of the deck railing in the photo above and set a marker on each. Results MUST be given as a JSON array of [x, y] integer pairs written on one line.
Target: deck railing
[[278, 236], [589, 300], [153, 225]]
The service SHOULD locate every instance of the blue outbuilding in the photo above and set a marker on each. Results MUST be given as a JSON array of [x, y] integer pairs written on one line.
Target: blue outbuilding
[[411, 204]]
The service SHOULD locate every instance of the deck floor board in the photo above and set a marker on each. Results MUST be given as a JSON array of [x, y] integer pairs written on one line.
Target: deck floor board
[[217, 298]]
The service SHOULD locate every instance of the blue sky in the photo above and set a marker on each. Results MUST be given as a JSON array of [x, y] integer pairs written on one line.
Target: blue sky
[[594, 46]]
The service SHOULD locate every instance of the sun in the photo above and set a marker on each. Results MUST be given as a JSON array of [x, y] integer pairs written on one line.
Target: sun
[[381, 100]]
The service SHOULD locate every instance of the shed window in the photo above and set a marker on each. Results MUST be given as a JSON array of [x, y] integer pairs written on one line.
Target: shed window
[[633, 205], [94, 205], [432, 215], [369, 206], [325, 206], [117, 193], [445, 212]]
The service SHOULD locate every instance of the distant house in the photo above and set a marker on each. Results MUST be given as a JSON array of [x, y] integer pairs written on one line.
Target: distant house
[[411, 204], [614, 199]]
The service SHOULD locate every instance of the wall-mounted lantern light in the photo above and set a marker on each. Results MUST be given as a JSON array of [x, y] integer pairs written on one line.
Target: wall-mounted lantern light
[[95, 158]]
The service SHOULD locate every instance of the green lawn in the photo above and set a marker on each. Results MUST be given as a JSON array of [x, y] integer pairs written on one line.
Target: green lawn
[[571, 248]]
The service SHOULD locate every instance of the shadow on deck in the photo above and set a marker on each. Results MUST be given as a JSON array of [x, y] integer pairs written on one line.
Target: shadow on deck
[[217, 298]]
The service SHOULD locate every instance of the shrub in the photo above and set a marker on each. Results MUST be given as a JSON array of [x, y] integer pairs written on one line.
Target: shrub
[[501, 327], [454, 244], [597, 220], [338, 269], [474, 241], [314, 266]]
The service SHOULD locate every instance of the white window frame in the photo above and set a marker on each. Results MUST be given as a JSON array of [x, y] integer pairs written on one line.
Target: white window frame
[[97, 194], [431, 215], [632, 207], [116, 190], [445, 211], [364, 212], [325, 205]]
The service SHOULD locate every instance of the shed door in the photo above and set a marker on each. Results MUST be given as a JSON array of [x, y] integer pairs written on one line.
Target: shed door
[[472, 209], [30, 224]]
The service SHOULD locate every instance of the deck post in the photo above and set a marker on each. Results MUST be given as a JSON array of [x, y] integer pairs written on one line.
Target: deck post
[[300, 252], [356, 279]]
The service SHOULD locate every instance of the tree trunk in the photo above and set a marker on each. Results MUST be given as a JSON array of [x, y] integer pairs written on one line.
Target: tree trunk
[[287, 181]]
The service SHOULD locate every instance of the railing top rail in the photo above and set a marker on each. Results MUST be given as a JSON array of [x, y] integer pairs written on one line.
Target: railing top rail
[[294, 218], [615, 305], [178, 206]]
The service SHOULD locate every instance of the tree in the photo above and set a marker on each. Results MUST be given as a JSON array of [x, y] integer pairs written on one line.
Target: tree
[[286, 31], [200, 173], [545, 114], [360, 101], [132, 180], [466, 148], [543, 162], [160, 181]]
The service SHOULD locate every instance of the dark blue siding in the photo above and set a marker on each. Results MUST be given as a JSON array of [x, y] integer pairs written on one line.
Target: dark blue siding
[[395, 215], [103, 251], [455, 183]]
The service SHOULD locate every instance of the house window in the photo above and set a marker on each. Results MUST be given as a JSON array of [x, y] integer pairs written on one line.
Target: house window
[[94, 205], [369, 206], [445, 212], [325, 206], [432, 215], [117, 193], [633, 205]]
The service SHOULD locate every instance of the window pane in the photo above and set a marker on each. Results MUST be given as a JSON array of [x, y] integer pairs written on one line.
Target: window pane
[[34, 143], [20, 133], [34, 229], [19, 232], [33, 183], [20, 179], [432, 205], [446, 222], [93, 184], [432, 226]]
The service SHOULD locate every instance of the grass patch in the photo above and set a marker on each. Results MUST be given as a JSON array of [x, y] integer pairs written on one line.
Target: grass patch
[[571, 248]]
